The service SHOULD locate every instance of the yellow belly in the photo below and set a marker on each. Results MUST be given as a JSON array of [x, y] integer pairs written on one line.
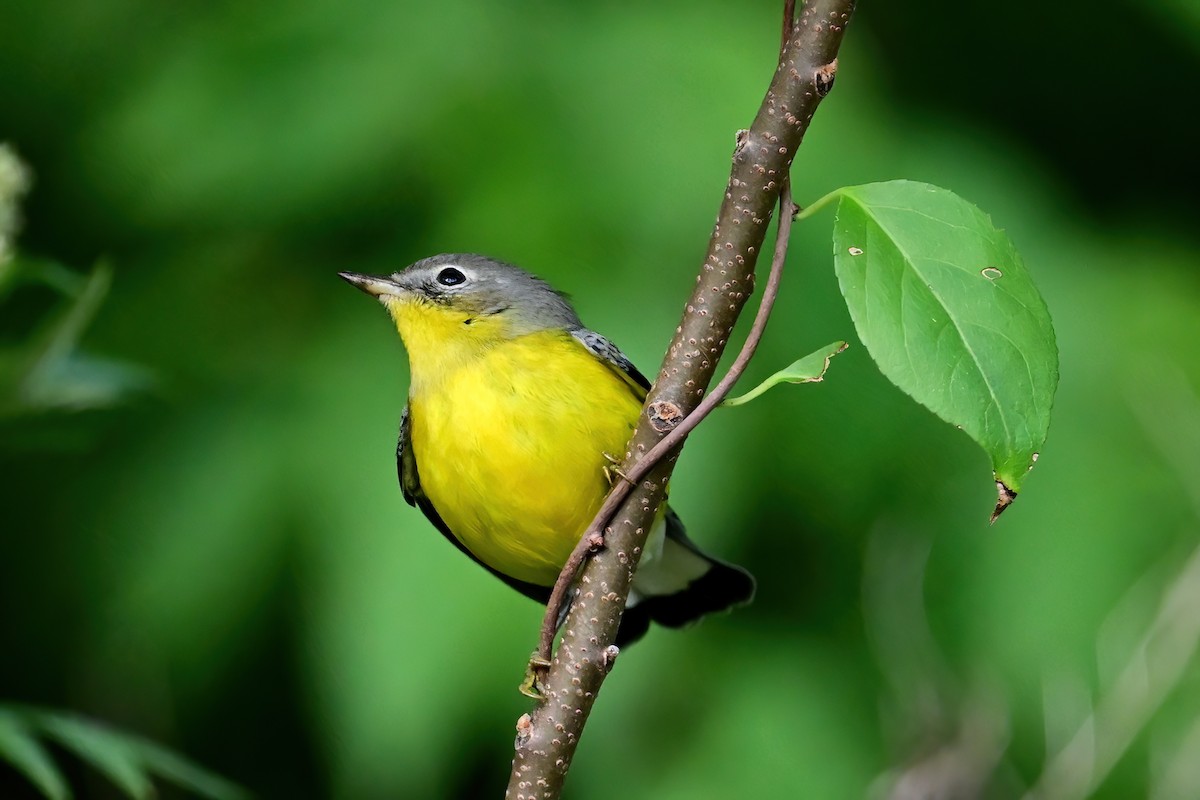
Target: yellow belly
[[509, 448]]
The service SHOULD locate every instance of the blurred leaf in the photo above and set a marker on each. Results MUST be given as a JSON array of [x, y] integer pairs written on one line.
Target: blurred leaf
[[810, 369], [105, 750], [14, 181], [128, 761], [240, 551], [25, 753], [79, 381], [945, 306], [178, 770], [49, 372], [58, 339]]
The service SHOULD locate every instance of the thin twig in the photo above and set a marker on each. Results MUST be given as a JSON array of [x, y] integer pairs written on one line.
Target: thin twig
[[593, 537]]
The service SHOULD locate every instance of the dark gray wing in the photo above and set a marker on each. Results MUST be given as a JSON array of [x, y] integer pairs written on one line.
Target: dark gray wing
[[406, 465], [610, 354], [722, 586], [410, 486]]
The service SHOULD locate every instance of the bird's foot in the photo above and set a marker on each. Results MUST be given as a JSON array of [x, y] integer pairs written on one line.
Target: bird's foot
[[532, 685], [612, 470]]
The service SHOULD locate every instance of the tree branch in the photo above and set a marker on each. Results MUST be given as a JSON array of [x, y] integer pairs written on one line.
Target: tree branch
[[546, 740], [593, 538]]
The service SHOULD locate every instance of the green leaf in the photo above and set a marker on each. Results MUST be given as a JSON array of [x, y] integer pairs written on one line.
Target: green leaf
[[947, 309], [49, 372], [810, 369], [58, 340], [101, 747], [129, 761], [80, 381], [25, 753], [177, 769], [14, 182]]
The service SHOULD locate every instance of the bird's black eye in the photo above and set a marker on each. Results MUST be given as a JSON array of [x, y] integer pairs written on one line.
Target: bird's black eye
[[451, 277]]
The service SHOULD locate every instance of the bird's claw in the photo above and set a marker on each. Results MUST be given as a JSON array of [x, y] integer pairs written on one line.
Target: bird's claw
[[612, 470], [531, 686]]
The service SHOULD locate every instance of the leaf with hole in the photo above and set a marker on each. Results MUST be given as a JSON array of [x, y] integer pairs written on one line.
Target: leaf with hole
[[945, 306]]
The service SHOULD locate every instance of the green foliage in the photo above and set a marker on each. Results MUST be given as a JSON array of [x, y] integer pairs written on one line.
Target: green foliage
[[20, 747], [129, 762], [47, 372], [809, 369], [227, 565], [946, 307], [14, 182]]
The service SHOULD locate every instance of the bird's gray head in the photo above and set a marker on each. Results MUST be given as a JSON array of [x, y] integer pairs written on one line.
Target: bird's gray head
[[470, 290]]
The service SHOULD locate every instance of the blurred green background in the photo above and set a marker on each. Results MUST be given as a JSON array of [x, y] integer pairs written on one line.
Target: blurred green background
[[203, 539]]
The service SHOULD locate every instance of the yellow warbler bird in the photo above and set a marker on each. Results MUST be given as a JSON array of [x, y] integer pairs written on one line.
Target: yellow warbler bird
[[512, 409]]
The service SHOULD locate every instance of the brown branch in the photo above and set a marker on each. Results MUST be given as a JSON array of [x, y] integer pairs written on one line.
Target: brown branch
[[789, 23], [593, 538], [547, 739]]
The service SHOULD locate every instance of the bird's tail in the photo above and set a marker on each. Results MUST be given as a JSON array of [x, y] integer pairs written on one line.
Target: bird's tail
[[683, 585]]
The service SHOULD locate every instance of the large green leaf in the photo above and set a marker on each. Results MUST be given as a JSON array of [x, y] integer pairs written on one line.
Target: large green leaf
[[947, 309]]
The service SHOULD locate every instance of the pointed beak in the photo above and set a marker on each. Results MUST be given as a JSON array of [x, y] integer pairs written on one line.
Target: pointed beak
[[376, 287]]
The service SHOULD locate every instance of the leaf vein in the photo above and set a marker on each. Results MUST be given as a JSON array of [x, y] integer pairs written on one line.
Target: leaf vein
[[910, 260]]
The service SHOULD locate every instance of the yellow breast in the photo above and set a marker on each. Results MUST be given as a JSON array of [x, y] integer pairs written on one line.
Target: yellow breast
[[509, 446]]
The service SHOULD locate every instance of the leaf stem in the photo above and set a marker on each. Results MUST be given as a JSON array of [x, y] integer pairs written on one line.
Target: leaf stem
[[818, 204]]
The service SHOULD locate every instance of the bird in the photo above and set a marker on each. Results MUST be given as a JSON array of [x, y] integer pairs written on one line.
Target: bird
[[514, 412]]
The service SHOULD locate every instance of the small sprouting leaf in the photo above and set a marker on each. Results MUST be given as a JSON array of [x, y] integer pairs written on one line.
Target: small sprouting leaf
[[947, 309], [809, 369], [25, 753]]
